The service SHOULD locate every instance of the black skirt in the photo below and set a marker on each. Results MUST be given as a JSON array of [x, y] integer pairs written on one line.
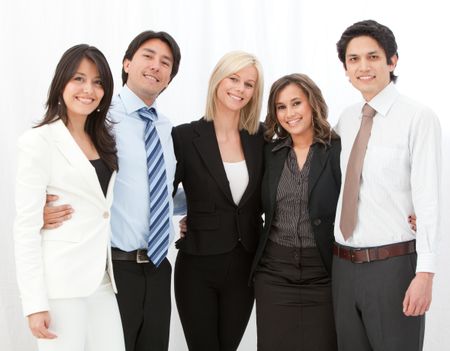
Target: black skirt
[[294, 309]]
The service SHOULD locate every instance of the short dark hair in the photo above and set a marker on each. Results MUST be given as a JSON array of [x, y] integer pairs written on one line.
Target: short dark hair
[[137, 42], [380, 33], [97, 124]]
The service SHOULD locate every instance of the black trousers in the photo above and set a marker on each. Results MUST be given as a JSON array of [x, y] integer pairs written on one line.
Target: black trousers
[[368, 305], [144, 304], [294, 309], [213, 298]]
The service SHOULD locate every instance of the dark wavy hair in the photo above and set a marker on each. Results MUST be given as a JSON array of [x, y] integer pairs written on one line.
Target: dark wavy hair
[[137, 42], [370, 28], [97, 126], [322, 130]]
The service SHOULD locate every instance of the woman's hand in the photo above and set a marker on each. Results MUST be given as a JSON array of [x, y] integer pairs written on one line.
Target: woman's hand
[[412, 222], [39, 323], [183, 226]]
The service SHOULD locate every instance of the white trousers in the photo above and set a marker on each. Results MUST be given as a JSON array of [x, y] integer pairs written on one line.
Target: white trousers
[[86, 324]]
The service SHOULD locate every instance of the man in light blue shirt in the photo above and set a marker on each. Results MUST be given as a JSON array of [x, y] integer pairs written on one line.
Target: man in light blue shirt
[[150, 63], [130, 211]]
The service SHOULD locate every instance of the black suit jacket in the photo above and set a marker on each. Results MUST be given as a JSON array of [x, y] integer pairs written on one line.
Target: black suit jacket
[[215, 223], [323, 187]]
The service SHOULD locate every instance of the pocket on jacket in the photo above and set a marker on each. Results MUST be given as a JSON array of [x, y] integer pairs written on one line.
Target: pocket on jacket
[[203, 222], [61, 235], [201, 206]]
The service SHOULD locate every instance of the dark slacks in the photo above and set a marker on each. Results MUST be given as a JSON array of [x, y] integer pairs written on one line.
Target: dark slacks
[[368, 305], [294, 310], [213, 298], [144, 304]]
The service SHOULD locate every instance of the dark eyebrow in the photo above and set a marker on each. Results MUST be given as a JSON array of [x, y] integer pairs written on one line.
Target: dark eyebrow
[[149, 50], [82, 74], [293, 99], [154, 53], [369, 53]]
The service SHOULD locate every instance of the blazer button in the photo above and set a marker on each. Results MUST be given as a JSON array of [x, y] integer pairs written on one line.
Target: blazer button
[[105, 215], [317, 222]]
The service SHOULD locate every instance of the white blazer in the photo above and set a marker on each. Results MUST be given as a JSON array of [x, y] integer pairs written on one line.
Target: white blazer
[[68, 261]]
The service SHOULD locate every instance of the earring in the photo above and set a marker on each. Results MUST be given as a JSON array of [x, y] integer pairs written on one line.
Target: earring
[[98, 110], [59, 103]]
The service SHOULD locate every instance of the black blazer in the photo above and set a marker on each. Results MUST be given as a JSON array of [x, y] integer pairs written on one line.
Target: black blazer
[[215, 223], [323, 187]]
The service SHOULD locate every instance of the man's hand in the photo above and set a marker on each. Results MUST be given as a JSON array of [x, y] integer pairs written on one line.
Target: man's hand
[[39, 323], [54, 216], [417, 299]]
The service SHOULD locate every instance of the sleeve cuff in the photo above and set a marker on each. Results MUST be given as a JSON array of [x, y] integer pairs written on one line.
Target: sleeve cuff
[[35, 306], [426, 262]]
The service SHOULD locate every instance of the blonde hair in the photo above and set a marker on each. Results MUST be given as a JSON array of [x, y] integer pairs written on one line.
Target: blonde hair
[[229, 64]]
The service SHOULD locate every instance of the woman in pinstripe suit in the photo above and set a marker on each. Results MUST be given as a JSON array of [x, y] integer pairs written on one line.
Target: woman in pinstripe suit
[[300, 188]]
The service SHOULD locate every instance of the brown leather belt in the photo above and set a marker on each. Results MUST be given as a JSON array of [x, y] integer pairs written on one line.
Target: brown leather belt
[[369, 254], [138, 256]]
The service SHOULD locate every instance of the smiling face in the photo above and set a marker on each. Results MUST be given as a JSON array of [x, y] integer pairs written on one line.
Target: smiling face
[[294, 112], [367, 67], [149, 70], [84, 91], [236, 90]]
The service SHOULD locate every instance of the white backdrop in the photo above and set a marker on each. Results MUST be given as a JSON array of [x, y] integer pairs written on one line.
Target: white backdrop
[[287, 35]]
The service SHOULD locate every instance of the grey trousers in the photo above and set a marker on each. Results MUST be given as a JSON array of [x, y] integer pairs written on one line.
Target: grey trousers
[[368, 305]]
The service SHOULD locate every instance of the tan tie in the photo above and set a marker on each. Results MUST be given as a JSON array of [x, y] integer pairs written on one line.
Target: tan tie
[[353, 176]]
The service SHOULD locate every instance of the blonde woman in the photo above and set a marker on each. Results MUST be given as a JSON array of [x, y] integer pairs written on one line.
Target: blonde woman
[[220, 164]]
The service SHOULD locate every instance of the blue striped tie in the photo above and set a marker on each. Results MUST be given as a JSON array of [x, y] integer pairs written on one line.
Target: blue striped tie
[[158, 242]]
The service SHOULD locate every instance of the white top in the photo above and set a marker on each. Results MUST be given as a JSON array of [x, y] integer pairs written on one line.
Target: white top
[[401, 175], [237, 175]]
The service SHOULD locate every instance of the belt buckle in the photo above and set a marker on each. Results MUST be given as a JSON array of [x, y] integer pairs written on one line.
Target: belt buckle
[[141, 256], [352, 255]]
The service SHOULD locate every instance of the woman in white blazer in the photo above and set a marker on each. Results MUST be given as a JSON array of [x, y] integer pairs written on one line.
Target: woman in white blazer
[[64, 274]]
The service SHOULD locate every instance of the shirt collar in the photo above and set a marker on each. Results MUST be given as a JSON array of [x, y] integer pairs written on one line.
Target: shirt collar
[[286, 142], [384, 100], [132, 102]]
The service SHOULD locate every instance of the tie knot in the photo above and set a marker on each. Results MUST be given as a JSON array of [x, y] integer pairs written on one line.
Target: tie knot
[[368, 111], [148, 114]]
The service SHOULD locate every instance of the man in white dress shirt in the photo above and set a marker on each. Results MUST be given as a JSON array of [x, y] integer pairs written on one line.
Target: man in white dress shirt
[[382, 270]]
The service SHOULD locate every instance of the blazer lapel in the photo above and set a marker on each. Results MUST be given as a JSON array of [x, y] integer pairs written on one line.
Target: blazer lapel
[[318, 161], [208, 149], [75, 156], [109, 192], [253, 159]]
